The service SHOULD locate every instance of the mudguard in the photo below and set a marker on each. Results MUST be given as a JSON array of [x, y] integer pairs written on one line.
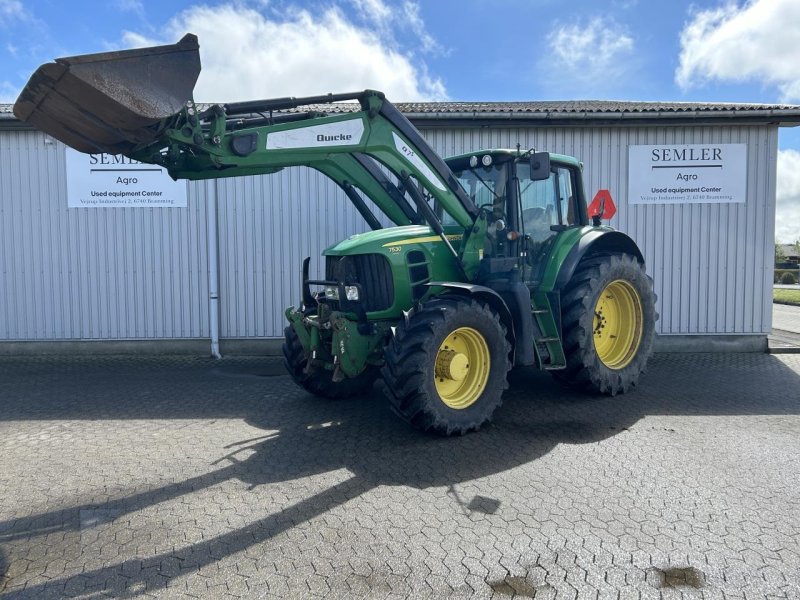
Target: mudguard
[[517, 323], [599, 241]]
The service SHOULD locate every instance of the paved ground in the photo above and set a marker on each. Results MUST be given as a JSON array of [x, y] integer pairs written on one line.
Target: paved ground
[[175, 477], [785, 326]]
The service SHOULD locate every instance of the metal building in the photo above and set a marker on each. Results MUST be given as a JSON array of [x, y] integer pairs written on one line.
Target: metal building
[[226, 265]]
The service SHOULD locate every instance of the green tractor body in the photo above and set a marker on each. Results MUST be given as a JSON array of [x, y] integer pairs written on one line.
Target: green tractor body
[[491, 260]]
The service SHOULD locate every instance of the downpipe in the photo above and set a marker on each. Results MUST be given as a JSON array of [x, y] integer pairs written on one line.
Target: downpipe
[[212, 244]]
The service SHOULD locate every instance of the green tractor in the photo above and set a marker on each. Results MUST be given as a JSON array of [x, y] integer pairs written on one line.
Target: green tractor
[[490, 262]]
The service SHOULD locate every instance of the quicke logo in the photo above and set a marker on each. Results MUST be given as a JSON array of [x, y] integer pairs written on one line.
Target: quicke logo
[[339, 137]]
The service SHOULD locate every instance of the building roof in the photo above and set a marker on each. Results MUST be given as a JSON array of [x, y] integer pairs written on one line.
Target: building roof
[[790, 250], [572, 112]]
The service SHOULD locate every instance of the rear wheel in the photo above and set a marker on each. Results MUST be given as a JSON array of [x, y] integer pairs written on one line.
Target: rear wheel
[[446, 367], [608, 322], [320, 381]]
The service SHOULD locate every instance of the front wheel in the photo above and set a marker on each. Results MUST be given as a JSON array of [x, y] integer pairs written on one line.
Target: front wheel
[[608, 323], [446, 366]]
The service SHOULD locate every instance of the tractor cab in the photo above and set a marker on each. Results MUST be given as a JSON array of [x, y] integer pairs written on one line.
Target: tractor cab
[[528, 199]]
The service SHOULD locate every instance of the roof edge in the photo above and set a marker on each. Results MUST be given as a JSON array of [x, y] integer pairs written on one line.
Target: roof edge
[[780, 117]]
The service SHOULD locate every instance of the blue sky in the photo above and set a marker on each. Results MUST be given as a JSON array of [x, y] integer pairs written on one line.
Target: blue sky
[[710, 51]]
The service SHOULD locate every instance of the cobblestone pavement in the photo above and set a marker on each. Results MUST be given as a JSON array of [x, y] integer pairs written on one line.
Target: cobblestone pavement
[[174, 477]]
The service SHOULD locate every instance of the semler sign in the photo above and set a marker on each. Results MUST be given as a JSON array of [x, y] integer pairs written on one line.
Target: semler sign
[[691, 173], [115, 181]]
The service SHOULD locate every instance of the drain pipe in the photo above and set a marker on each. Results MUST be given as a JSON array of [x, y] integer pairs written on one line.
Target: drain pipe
[[212, 243]]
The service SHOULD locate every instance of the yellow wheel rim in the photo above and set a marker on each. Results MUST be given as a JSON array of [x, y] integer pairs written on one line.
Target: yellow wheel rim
[[618, 324], [462, 367]]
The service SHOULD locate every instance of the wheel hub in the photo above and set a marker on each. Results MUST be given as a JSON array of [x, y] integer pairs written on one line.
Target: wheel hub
[[452, 365], [462, 367], [618, 324]]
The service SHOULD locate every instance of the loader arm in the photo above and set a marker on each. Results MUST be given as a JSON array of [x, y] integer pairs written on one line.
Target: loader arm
[[139, 103], [206, 146], [361, 172]]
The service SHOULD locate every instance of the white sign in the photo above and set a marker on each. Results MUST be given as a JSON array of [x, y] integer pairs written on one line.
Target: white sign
[[341, 133], [114, 181], [687, 174], [415, 160]]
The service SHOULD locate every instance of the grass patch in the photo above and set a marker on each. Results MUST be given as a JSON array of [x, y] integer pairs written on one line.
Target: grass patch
[[786, 297]]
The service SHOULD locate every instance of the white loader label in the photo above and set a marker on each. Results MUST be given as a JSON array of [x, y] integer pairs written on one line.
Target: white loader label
[[415, 160], [343, 133]]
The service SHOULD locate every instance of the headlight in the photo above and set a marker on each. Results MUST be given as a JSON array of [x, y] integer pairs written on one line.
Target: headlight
[[332, 292]]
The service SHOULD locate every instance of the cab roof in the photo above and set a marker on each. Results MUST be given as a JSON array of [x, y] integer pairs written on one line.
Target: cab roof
[[558, 158]]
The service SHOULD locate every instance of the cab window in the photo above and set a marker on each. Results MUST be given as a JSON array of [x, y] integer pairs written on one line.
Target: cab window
[[566, 197], [546, 202]]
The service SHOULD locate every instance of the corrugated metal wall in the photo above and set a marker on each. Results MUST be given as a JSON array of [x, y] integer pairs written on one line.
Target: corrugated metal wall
[[105, 273], [141, 273]]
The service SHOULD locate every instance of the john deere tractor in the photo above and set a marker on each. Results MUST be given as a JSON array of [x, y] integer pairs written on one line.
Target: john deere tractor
[[490, 262]]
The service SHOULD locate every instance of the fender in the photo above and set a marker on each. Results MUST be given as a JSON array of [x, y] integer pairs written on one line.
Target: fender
[[517, 328], [598, 241]]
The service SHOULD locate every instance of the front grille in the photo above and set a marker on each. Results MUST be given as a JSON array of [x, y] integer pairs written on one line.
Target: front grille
[[418, 273], [372, 271]]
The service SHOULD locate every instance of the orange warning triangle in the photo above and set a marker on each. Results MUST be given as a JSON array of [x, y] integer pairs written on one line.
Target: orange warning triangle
[[602, 198]]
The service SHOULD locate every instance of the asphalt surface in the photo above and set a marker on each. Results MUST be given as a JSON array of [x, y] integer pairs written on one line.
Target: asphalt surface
[[785, 326], [176, 477]]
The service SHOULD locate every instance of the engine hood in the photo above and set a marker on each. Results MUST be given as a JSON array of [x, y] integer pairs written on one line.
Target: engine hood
[[381, 240]]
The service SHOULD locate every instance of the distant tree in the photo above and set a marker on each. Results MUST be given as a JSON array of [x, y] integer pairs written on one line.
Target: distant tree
[[780, 255]]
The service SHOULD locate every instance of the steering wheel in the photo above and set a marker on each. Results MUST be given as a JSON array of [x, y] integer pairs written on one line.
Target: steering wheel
[[537, 222]]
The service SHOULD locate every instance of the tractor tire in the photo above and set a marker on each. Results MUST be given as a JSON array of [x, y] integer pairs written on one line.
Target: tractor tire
[[608, 321], [446, 367], [320, 381]]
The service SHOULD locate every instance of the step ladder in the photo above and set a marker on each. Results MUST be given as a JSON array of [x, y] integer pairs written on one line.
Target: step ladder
[[547, 330]]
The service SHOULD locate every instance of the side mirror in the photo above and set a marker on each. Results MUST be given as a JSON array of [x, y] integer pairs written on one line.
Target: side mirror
[[540, 166]]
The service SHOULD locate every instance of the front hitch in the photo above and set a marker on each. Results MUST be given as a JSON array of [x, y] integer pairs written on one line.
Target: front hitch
[[335, 343]]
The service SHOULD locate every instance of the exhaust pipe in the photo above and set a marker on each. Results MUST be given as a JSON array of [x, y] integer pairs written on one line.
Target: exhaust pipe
[[112, 101]]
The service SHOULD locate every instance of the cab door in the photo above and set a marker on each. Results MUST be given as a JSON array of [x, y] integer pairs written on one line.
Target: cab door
[[546, 208]]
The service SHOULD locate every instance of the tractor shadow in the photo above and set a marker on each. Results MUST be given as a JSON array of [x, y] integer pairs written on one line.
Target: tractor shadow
[[305, 436]]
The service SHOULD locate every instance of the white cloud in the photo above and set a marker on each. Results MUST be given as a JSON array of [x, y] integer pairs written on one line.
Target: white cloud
[[248, 55], [589, 52], [787, 219], [8, 92], [389, 22], [415, 23], [373, 10], [757, 41], [12, 10], [131, 6]]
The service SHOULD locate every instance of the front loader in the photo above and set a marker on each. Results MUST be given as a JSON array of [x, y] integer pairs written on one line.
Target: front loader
[[490, 261]]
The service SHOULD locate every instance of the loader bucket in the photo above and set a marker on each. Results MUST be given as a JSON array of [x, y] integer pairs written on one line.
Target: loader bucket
[[113, 101]]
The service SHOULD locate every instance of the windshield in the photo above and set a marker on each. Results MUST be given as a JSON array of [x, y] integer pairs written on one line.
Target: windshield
[[486, 187]]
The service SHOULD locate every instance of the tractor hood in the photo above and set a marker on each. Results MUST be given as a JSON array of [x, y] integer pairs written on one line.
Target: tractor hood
[[381, 240]]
